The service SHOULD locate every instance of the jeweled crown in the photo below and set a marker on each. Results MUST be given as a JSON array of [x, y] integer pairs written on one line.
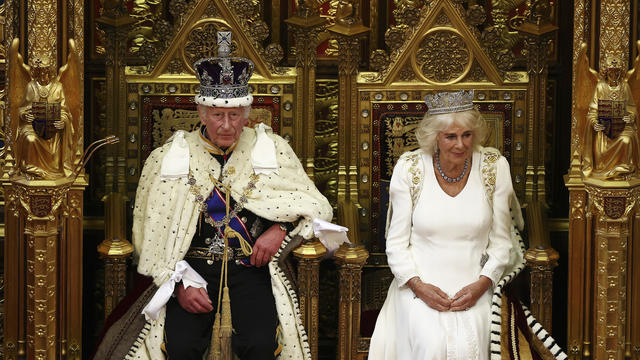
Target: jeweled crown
[[224, 80], [449, 102]]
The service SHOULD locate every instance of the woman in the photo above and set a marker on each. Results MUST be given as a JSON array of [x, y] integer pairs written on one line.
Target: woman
[[448, 239]]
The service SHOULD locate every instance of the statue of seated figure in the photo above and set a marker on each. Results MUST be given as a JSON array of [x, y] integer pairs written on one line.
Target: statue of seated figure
[[613, 150], [44, 139]]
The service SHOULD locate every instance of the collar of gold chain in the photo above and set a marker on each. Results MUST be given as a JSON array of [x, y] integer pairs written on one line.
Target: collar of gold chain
[[196, 190]]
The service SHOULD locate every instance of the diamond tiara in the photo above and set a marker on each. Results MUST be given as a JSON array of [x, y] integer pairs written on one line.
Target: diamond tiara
[[449, 102]]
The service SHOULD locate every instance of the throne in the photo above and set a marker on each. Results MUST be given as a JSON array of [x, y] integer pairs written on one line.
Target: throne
[[160, 101], [439, 53], [389, 105]]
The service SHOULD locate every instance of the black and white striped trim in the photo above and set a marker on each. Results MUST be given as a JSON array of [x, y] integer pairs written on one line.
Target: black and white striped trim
[[294, 298], [139, 341], [543, 335], [496, 316]]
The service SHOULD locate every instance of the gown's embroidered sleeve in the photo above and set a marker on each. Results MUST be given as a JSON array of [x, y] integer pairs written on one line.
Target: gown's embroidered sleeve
[[398, 245], [499, 236]]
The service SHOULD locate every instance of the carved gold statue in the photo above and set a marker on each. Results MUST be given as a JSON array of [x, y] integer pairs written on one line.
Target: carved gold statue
[[606, 117], [44, 115]]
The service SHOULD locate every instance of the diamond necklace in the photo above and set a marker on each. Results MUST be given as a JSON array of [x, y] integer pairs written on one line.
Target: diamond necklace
[[445, 177]]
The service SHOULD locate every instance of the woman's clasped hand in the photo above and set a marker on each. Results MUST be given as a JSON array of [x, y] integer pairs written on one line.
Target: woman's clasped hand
[[439, 300]]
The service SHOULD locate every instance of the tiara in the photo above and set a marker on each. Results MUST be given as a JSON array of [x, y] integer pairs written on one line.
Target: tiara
[[449, 102]]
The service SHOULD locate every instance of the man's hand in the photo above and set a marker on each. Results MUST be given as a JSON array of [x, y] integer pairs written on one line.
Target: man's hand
[[469, 295], [430, 294], [194, 300], [267, 245], [597, 126], [59, 124]]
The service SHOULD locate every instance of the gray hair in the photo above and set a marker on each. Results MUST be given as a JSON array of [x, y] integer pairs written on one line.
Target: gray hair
[[432, 125]]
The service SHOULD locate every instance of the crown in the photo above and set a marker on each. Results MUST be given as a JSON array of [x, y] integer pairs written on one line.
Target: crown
[[224, 80], [449, 102]]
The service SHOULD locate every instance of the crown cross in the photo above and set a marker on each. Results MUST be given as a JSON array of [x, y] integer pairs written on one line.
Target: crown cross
[[224, 79], [224, 43]]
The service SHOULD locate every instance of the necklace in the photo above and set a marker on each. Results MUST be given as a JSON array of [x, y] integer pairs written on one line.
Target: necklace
[[445, 177]]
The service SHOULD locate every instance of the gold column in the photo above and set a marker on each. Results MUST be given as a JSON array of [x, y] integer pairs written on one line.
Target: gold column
[[615, 16], [349, 31], [39, 205], [306, 23], [115, 22], [71, 255], [309, 255], [275, 21], [612, 205], [602, 220], [42, 246], [43, 30], [579, 307], [541, 262], [14, 326], [632, 345], [115, 250], [538, 32], [350, 259], [579, 277], [43, 217]]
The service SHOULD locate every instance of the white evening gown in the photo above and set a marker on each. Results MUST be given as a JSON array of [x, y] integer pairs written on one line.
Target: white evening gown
[[442, 242]]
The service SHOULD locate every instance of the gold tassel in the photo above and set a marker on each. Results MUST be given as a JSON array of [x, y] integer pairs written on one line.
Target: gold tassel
[[214, 347], [226, 328], [246, 248]]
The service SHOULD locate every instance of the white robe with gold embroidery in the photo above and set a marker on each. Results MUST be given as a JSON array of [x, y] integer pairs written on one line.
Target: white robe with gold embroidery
[[166, 214]]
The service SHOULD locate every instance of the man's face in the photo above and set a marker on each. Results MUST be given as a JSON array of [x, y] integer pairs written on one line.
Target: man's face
[[224, 125]]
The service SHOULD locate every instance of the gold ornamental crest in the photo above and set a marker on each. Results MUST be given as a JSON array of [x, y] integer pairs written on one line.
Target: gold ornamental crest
[[614, 206]]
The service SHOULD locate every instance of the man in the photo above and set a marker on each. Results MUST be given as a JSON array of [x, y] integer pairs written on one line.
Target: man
[[223, 182]]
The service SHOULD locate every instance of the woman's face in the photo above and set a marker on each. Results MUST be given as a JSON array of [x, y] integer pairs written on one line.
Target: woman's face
[[455, 144]]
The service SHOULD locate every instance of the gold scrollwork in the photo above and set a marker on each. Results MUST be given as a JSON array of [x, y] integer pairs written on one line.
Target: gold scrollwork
[[614, 31], [43, 30], [41, 202], [608, 203], [443, 56], [326, 139]]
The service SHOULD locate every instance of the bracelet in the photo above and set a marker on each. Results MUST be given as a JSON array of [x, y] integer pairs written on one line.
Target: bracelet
[[283, 227]]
